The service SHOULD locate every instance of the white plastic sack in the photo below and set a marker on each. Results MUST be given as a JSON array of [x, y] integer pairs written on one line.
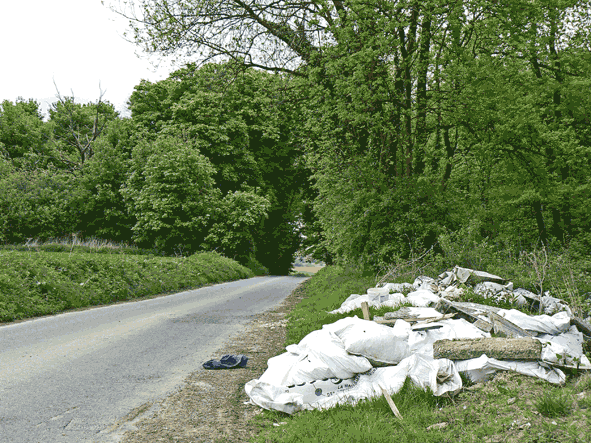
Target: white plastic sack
[[378, 343], [319, 355], [440, 376], [373, 300], [544, 324], [422, 298], [483, 368], [378, 291]]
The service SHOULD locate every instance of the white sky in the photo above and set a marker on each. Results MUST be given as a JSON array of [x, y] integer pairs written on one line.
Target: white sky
[[77, 43]]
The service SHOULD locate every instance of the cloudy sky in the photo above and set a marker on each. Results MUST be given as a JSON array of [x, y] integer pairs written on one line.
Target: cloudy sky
[[78, 44]]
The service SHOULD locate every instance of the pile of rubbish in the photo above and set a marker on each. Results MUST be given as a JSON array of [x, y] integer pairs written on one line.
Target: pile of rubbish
[[431, 342]]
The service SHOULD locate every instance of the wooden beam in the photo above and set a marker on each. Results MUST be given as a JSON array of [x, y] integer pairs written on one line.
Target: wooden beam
[[445, 306], [497, 347], [418, 321]]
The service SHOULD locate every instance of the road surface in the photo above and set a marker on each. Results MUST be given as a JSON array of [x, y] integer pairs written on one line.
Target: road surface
[[70, 377]]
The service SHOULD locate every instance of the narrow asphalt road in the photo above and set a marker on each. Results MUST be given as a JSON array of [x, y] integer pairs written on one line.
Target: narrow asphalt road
[[70, 377]]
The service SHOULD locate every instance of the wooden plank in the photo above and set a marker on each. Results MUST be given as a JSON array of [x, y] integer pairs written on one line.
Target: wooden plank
[[497, 347], [424, 321], [365, 309], [445, 306], [418, 321], [391, 403], [506, 328]]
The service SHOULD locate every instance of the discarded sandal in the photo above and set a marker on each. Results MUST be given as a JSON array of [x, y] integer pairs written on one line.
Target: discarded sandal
[[228, 361]]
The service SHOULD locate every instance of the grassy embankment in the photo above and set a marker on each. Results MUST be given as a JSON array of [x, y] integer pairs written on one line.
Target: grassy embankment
[[59, 276], [510, 408]]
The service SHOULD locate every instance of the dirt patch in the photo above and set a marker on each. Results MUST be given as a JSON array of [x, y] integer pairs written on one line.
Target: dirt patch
[[210, 407]]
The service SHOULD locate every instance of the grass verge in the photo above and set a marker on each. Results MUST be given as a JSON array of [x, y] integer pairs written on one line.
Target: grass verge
[[37, 283]]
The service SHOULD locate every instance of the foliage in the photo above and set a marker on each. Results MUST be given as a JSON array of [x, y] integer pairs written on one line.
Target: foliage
[[41, 283], [239, 213], [325, 291], [367, 222], [104, 213], [38, 204], [171, 193], [76, 127], [23, 134], [243, 123]]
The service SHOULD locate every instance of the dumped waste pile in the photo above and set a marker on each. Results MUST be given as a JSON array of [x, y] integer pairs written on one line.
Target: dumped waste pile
[[431, 342]]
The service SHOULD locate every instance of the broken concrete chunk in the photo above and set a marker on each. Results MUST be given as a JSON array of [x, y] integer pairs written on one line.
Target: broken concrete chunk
[[483, 325], [499, 348], [401, 313], [452, 292]]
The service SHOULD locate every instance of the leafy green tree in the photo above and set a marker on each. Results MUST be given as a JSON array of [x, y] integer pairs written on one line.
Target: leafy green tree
[[23, 133], [171, 193], [239, 215], [480, 97], [104, 213]]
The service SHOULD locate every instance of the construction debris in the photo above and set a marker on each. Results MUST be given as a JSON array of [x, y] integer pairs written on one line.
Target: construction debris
[[431, 342], [499, 348]]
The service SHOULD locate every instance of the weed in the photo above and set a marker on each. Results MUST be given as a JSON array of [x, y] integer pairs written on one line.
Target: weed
[[555, 403]]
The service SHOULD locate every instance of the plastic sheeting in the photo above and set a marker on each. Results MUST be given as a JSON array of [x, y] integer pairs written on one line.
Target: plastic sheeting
[[440, 376], [482, 369]]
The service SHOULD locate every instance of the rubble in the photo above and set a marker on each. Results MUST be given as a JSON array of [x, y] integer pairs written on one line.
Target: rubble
[[431, 342]]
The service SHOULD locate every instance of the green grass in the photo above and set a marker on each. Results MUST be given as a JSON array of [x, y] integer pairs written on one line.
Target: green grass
[[36, 283], [555, 403], [510, 408]]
